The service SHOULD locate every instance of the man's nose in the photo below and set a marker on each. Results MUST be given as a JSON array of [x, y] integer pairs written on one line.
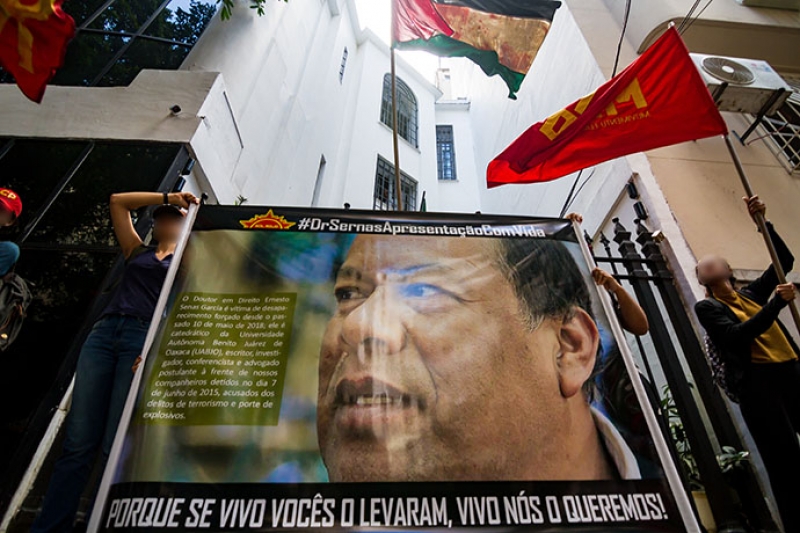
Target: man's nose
[[375, 327]]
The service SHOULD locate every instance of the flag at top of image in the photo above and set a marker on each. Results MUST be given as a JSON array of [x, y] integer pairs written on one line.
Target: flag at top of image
[[501, 36]]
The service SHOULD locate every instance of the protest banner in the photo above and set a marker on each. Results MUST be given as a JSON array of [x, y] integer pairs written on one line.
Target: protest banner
[[346, 370]]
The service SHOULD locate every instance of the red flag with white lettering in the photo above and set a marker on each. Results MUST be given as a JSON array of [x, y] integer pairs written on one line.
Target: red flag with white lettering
[[660, 99]]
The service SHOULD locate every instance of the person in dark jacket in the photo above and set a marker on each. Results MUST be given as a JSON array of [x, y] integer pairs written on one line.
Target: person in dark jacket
[[761, 360]]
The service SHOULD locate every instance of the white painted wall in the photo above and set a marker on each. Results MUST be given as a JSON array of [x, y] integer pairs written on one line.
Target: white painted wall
[[290, 110], [286, 97], [370, 137], [462, 195], [262, 104], [140, 111]]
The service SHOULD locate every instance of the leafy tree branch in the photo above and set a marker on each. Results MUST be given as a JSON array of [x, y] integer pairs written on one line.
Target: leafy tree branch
[[227, 7]]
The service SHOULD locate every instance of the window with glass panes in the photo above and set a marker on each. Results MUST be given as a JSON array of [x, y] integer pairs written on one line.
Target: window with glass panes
[[407, 110], [116, 39], [384, 197], [445, 153]]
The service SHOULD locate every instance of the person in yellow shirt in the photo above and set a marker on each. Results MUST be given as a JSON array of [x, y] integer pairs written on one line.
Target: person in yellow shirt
[[761, 363]]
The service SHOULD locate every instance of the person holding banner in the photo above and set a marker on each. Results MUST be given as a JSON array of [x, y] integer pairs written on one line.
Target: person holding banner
[[761, 360], [103, 375], [631, 316], [458, 359]]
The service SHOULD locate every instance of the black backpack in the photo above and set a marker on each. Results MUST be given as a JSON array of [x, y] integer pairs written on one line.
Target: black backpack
[[15, 297], [719, 370]]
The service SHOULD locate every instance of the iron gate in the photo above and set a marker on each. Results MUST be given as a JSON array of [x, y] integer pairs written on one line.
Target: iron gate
[[673, 359]]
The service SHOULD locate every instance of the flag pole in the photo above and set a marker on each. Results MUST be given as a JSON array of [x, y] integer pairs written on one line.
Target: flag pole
[[762, 226], [395, 140]]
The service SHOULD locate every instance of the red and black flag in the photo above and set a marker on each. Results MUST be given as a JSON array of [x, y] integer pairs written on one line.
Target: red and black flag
[[501, 36]]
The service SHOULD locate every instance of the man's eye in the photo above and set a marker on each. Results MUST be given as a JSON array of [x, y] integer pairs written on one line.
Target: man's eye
[[348, 293], [421, 290]]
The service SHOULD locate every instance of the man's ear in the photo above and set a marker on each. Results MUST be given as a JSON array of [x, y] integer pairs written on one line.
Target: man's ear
[[579, 339]]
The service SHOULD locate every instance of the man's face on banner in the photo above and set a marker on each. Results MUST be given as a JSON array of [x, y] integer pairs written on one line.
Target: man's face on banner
[[431, 370]]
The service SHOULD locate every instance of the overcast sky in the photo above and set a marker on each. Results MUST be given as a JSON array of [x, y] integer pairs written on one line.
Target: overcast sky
[[377, 16]]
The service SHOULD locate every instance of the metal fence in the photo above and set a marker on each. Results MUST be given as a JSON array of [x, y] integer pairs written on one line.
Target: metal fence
[[673, 361]]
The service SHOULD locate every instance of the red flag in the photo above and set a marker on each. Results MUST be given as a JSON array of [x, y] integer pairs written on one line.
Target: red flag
[[33, 40], [660, 99]]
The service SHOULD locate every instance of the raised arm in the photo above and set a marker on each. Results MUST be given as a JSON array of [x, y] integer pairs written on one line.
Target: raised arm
[[631, 314], [761, 288], [121, 205]]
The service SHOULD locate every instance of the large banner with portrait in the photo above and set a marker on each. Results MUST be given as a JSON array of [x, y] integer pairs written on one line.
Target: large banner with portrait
[[353, 371]]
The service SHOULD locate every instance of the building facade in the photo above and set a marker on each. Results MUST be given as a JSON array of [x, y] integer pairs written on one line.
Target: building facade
[[292, 109]]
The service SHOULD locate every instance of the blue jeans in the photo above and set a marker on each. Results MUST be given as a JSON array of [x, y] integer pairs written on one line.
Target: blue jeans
[[9, 254], [102, 381]]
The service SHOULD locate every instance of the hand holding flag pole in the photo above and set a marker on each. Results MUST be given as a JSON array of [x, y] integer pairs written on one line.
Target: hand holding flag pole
[[761, 222]]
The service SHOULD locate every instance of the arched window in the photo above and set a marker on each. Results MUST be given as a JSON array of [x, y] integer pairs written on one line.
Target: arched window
[[406, 109]]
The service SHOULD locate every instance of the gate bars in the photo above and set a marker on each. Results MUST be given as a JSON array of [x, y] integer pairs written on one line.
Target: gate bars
[[648, 274]]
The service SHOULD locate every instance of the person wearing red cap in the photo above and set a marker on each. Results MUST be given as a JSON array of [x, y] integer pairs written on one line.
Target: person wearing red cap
[[103, 375], [10, 209]]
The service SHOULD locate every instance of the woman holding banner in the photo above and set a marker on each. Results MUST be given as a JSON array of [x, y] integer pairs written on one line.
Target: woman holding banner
[[761, 360], [103, 375]]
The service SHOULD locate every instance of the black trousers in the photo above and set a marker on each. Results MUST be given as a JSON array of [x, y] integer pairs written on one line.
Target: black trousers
[[770, 402]]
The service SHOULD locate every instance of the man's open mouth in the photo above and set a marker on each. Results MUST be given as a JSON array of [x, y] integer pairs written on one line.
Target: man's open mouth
[[369, 408], [369, 392]]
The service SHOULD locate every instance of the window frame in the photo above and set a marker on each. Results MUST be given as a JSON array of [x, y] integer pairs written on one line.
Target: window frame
[[407, 110], [385, 183], [783, 129], [445, 137]]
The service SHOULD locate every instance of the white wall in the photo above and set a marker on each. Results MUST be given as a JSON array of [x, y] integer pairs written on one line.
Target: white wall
[[290, 110], [370, 137], [140, 111], [460, 196], [293, 111], [289, 106]]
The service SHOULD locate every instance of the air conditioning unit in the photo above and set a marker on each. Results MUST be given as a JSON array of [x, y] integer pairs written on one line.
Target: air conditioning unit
[[751, 83]]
